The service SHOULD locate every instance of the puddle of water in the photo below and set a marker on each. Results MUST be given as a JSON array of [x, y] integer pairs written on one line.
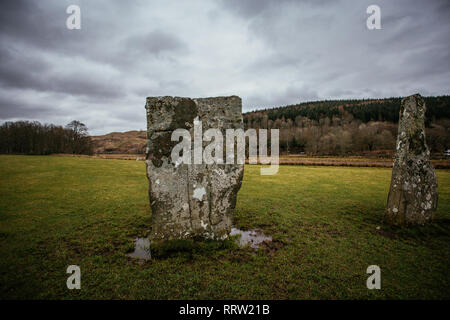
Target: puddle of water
[[141, 249], [252, 237]]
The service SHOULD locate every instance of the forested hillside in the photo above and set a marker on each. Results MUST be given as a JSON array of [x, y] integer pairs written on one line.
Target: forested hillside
[[340, 127]]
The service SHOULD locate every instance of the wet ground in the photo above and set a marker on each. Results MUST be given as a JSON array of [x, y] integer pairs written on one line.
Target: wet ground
[[251, 237], [141, 249]]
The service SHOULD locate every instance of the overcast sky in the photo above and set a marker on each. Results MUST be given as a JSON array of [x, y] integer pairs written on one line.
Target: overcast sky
[[270, 53]]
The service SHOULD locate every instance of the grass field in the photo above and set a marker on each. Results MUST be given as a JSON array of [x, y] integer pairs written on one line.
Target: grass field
[[59, 211]]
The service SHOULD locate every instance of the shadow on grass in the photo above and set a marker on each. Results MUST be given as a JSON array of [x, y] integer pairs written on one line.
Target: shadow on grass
[[188, 249], [439, 228]]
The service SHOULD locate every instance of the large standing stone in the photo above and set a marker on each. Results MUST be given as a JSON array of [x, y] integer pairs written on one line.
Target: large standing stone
[[190, 200], [413, 193]]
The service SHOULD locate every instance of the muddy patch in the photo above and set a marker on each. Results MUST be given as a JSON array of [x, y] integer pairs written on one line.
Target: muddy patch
[[253, 238]]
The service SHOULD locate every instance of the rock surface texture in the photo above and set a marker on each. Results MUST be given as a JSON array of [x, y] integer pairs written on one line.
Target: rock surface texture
[[413, 192], [190, 201]]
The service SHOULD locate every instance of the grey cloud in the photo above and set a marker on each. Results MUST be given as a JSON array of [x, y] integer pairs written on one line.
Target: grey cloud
[[282, 96], [28, 72], [154, 42], [16, 72], [251, 8], [29, 23], [133, 51], [19, 109]]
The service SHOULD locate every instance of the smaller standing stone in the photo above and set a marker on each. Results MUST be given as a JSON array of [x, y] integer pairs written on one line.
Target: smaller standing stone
[[413, 193]]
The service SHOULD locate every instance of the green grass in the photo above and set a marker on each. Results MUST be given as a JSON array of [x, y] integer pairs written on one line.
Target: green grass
[[58, 211]]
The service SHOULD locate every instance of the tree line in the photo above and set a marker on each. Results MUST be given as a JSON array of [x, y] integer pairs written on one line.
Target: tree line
[[32, 137], [363, 109]]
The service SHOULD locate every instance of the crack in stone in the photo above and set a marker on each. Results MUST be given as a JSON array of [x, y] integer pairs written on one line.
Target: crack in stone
[[209, 199], [188, 198]]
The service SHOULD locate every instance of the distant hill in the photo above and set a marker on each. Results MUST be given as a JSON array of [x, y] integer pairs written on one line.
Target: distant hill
[[330, 127], [130, 142]]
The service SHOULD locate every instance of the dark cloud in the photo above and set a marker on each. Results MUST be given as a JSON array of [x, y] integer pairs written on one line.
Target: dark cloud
[[282, 96], [16, 72], [155, 42], [252, 8], [13, 108], [32, 72], [269, 52]]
